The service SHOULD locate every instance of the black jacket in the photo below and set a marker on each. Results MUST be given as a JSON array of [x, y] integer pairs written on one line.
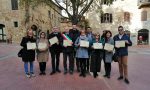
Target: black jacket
[[27, 55], [56, 48], [74, 34]]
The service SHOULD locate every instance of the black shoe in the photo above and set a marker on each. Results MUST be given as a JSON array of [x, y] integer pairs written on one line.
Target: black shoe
[[71, 72], [120, 78], [94, 75], [41, 73], [58, 71], [126, 81], [53, 72], [78, 70], [80, 74], [84, 75], [65, 72], [105, 75], [108, 76], [44, 73]]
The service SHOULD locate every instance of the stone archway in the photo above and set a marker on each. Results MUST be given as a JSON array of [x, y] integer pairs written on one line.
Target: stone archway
[[143, 36], [2, 33]]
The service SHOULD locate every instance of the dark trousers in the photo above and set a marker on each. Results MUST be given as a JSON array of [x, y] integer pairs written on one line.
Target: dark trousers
[[55, 61], [87, 64], [107, 68], [42, 66], [78, 64], [88, 60], [71, 60], [82, 65]]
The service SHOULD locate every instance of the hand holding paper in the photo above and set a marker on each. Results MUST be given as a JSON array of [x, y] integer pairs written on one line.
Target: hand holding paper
[[53, 40], [109, 47], [67, 43], [119, 44], [84, 43], [97, 46], [42, 46], [31, 46]]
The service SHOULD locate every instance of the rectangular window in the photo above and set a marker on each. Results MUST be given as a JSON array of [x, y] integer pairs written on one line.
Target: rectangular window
[[144, 16], [106, 18], [127, 16], [14, 4], [15, 24], [49, 14]]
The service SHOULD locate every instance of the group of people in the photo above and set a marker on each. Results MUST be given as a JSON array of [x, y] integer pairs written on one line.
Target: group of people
[[87, 59]]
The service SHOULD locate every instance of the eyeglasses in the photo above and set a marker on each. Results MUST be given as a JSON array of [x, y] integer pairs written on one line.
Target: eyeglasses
[[97, 35], [120, 29]]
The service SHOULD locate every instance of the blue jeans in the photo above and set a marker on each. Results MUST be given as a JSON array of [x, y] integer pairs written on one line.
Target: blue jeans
[[26, 67]]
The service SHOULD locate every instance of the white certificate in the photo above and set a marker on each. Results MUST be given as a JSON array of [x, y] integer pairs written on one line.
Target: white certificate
[[31, 46], [108, 47], [53, 40], [84, 43], [42, 45], [67, 43], [119, 43], [97, 46]]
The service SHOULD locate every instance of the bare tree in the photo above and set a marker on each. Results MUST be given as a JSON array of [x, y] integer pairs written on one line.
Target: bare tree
[[75, 9]]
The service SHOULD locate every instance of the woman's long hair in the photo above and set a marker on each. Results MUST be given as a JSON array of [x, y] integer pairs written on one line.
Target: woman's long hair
[[44, 34], [106, 39]]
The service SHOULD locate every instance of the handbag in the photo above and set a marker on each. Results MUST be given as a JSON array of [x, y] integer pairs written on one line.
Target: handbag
[[115, 57], [20, 53]]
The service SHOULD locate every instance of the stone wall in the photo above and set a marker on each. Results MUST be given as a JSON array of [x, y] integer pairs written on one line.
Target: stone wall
[[38, 16]]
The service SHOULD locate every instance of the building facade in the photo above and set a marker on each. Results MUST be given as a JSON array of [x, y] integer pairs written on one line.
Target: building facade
[[15, 19], [144, 32], [121, 12]]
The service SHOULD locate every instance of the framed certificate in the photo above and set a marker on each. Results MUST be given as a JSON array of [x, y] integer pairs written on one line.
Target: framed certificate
[[31, 46], [97, 46], [108, 47], [84, 43], [67, 43], [42, 46], [53, 40], [119, 43]]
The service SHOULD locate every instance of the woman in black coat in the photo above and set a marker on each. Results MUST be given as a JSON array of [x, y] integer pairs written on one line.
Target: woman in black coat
[[96, 57], [28, 56]]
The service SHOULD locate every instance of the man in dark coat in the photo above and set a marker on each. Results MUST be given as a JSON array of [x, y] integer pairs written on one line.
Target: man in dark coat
[[55, 50], [74, 34]]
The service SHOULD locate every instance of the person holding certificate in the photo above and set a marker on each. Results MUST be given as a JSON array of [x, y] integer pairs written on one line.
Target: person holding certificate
[[55, 49], [42, 52], [108, 53], [74, 34], [90, 36], [28, 55], [122, 53], [96, 55], [82, 52], [68, 50]]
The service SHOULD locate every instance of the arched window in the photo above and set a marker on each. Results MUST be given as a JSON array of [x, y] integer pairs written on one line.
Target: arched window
[[144, 16], [106, 18]]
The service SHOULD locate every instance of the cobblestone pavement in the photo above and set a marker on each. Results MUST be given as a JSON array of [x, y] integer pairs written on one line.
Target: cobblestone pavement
[[12, 74]]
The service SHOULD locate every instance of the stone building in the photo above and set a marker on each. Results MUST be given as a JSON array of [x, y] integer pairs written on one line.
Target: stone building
[[121, 12], [144, 31], [14, 19]]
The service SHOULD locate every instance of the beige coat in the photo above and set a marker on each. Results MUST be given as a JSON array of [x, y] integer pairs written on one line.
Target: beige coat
[[43, 54]]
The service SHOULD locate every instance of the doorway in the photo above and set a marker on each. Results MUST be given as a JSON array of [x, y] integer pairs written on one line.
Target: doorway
[[2, 33]]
